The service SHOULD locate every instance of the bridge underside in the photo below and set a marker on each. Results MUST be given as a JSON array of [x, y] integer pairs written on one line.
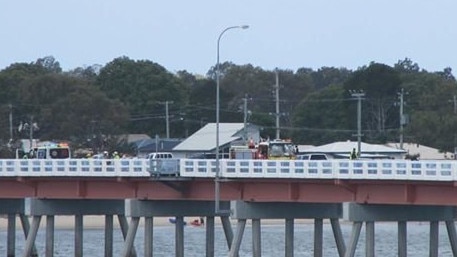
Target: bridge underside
[[242, 211], [258, 190]]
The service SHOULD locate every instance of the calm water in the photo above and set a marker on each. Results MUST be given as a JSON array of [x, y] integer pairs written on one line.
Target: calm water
[[272, 241]]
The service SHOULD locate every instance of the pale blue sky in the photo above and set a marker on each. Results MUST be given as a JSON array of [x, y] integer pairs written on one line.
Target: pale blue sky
[[182, 35]]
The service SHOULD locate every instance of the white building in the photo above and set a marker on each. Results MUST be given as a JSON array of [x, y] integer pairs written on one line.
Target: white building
[[203, 142]]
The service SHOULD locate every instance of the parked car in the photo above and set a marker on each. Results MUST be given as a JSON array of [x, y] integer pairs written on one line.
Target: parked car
[[312, 156], [159, 155]]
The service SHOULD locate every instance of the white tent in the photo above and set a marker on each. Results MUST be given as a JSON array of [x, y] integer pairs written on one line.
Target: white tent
[[343, 149], [423, 152]]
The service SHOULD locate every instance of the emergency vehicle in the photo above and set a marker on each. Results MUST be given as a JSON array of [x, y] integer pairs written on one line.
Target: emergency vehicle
[[277, 149], [52, 151]]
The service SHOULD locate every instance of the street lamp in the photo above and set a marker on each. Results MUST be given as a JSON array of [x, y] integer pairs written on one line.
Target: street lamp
[[217, 187], [358, 94]]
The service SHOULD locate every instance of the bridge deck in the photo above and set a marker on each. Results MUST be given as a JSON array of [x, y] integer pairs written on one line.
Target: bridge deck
[[334, 181]]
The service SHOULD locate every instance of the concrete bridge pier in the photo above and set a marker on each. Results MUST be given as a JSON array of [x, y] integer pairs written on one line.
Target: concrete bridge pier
[[36, 208], [369, 214], [173, 208], [13, 208], [11, 235], [256, 211]]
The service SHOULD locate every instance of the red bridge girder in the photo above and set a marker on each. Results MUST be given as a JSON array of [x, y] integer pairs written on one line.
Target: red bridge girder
[[259, 190]]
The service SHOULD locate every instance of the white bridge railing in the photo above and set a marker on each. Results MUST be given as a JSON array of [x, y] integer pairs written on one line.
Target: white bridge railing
[[328, 169], [74, 167]]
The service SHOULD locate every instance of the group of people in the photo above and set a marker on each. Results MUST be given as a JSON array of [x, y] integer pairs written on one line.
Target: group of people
[[105, 155]]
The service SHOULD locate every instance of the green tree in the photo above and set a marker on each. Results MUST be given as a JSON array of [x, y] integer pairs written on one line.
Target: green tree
[[10, 94], [69, 109], [322, 118], [143, 86], [380, 83], [431, 108]]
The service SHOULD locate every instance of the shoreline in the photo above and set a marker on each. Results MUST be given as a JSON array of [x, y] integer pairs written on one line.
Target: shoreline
[[98, 221]]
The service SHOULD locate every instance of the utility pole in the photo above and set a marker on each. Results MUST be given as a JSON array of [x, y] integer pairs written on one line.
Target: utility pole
[[455, 137], [31, 127], [402, 118], [358, 94], [245, 120], [277, 104], [455, 104], [157, 143], [167, 120], [11, 122]]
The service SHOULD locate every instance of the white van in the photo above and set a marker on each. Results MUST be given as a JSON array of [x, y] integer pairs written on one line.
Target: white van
[[160, 155], [163, 164]]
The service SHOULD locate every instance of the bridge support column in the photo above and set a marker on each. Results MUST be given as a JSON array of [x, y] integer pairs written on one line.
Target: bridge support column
[[11, 236], [129, 239], [288, 211], [30, 241], [434, 234], [228, 231], [236, 243], [318, 237], [338, 235], [79, 235], [179, 236], [450, 226], [369, 239], [36, 208], [289, 240], [350, 251], [26, 229], [209, 236], [256, 238], [179, 209], [11, 208], [49, 235], [369, 213], [148, 236], [402, 239], [109, 226], [123, 223]]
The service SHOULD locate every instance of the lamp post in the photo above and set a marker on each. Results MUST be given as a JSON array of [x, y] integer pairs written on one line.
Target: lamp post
[[358, 94], [217, 186]]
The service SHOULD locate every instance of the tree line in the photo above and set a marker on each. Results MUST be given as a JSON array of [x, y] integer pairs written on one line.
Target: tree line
[[90, 106]]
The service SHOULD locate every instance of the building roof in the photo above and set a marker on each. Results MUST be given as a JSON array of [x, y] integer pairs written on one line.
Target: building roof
[[204, 140], [424, 152], [160, 145], [131, 138], [345, 147]]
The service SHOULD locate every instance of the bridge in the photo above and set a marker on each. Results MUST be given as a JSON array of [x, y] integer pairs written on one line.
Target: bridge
[[360, 191]]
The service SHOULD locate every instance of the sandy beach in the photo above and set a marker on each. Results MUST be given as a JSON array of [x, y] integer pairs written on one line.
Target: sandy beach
[[88, 221], [99, 221]]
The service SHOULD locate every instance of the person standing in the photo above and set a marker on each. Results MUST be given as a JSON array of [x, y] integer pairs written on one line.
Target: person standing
[[353, 154], [115, 155]]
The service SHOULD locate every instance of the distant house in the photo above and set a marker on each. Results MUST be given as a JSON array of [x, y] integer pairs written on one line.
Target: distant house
[[423, 152], [204, 140], [144, 144], [343, 149], [131, 138]]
